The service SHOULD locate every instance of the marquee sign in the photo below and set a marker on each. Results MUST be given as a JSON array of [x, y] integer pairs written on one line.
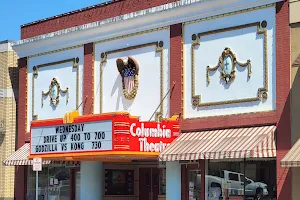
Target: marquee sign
[[72, 138], [110, 133]]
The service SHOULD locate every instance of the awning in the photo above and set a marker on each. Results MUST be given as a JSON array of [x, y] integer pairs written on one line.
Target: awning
[[254, 142], [292, 158], [296, 63], [20, 157]]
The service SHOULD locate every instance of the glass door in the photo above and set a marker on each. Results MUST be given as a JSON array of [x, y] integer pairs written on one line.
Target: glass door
[[77, 185], [148, 183], [194, 184]]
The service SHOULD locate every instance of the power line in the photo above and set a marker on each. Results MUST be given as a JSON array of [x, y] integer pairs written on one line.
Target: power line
[[169, 91]]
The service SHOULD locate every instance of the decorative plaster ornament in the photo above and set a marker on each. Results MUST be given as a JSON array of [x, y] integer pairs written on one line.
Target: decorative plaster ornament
[[54, 93], [227, 63], [129, 70]]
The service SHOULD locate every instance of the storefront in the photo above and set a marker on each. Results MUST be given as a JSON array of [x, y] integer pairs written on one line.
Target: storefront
[[236, 163], [115, 155]]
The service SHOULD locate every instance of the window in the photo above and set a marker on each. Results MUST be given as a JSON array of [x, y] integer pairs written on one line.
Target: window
[[54, 182], [119, 182], [252, 179], [233, 177], [77, 187], [242, 178], [194, 186]]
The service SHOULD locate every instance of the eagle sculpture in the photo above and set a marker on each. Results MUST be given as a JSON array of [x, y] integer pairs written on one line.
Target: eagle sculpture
[[129, 71]]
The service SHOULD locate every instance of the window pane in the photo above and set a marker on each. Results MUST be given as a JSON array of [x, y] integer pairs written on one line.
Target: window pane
[[61, 186], [194, 184], [54, 182], [42, 183], [242, 178], [119, 182], [233, 177], [254, 179], [261, 179], [77, 189]]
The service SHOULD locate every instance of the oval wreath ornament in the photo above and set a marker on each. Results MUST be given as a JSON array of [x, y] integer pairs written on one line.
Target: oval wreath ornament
[[129, 71]]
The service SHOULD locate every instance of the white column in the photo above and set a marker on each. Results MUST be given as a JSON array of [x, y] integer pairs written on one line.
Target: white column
[[91, 180], [173, 181]]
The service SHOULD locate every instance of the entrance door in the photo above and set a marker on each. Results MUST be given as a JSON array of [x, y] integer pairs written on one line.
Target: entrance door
[[194, 186], [148, 183]]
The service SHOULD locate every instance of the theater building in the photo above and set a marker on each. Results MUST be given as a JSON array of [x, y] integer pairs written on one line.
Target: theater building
[[141, 100]]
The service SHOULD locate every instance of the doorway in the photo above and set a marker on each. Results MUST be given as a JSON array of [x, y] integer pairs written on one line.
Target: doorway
[[148, 183]]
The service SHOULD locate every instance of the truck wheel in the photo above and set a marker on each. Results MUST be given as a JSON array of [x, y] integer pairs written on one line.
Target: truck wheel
[[259, 194]]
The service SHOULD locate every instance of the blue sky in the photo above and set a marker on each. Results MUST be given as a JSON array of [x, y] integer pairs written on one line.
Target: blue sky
[[14, 13]]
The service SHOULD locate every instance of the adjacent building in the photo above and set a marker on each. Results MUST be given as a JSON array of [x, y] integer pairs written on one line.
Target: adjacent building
[[105, 91], [292, 159], [8, 115]]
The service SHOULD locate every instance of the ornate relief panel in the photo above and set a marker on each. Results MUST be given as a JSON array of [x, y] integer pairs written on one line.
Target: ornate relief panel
[[227, 62], [129, 69], [132, 74], [55, 89], [54, 93]]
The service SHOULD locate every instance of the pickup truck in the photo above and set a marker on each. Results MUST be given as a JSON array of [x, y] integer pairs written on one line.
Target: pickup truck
[[234, 182]]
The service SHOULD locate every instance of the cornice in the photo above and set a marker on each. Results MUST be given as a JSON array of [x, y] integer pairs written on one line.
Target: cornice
[[6, 46], [152, 18]]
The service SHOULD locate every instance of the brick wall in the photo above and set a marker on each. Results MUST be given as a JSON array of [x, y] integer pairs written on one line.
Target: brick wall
[[283, 98], [88, 79], [22, 102], [8, 82], [90, 15], [22, 117], [175, 68]]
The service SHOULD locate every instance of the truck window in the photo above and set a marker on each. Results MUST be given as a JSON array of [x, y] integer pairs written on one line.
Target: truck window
[[222, 174], [233, 177], [242, 178]]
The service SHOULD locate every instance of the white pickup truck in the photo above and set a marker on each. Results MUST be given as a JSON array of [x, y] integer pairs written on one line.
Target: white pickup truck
[[235, 183]]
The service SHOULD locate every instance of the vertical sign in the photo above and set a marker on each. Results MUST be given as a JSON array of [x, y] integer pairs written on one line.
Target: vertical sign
[[37, 164]]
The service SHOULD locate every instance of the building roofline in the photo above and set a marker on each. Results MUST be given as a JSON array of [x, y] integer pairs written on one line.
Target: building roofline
[[6, 41], [71, 12]]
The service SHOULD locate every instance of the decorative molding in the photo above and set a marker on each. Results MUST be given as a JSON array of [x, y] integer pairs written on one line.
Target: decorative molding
[[55, 51], [261, 92], [230, 13], [6, 46], [121, 18], [159, 49], [133, 34], [101, 41], [127, 17], [54, 98], [89, 33], [228, 75], [35, 73]]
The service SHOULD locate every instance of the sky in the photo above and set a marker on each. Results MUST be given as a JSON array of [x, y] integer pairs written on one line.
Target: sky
[[14, 13]]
